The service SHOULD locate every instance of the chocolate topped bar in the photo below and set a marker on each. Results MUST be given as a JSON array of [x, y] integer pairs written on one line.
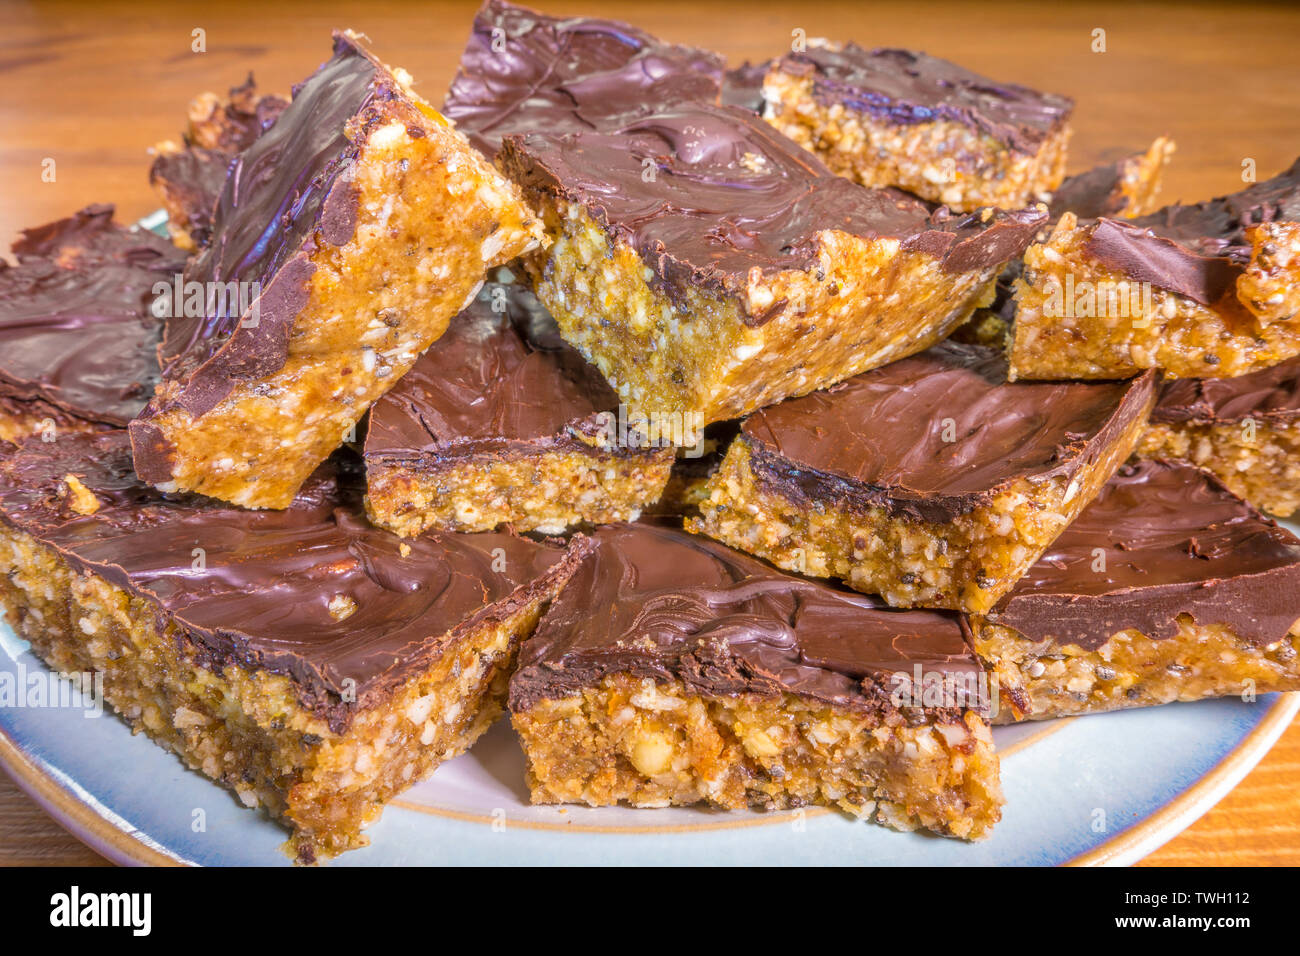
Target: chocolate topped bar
[[1269, 395], [940, 433], [313, 592], [345, 238], [906, 87], [1197, 251], [287, 193], [500, 379], [76, 327], [1175, 542], [652, 601], [523, 71], [706, 194]]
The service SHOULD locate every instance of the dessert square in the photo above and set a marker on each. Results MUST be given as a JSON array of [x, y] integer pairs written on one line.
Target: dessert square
[[1210, 290], [523, 71], [888, 117], [309, 662], [933, 482], [189, 176], [1246, 430], [676, 671], [345, 238], [502, 422], [1166, 587], [708, 266], [78, 338]]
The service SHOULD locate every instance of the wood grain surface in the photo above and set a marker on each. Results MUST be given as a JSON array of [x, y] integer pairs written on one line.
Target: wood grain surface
[[93, 85]]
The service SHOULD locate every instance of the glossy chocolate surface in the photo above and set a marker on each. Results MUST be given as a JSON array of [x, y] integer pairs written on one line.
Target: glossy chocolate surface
[[1162, 539], [939, 433], [255, 588], [653, 601], [906, 87], [523, 71], [499, 381], [76, 326], [705, 194]]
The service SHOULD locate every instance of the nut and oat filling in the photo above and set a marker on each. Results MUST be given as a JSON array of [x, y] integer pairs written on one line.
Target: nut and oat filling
[[644, 743]]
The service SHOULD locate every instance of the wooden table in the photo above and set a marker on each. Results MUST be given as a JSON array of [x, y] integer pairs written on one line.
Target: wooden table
[[93, 85]]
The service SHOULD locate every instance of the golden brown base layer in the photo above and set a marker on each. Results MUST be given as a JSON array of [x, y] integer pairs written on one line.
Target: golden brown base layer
[[1256, 459], [1049, 679], [1076, 318], [432, 218], [547, 492], [940, 161], [967, 563], [868, 304], [651, 744], [246, 729]]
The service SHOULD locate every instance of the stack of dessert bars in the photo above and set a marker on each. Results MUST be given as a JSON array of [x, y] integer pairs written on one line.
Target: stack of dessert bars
[[754, 437]]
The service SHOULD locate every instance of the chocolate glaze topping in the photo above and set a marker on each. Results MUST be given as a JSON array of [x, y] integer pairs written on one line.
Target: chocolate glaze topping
[[706, 193], [262, 596], [1175, 541], [653, 601], [288, 191], [194, 175], [523, 71], [76, 329], [906, 87], [939, 433], [499, 381], [1196, 251], [1270, 395]]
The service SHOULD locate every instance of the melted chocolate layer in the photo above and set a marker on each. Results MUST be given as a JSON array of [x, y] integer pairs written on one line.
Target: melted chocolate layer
[[523, 71], [500, 381], [1196, 251], [194, 175], [652, 601], [259, 592], [906, 87], [76, 329], [1174, 541], [705, 194], [1269, 395], [288, 191], [939, 433]]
